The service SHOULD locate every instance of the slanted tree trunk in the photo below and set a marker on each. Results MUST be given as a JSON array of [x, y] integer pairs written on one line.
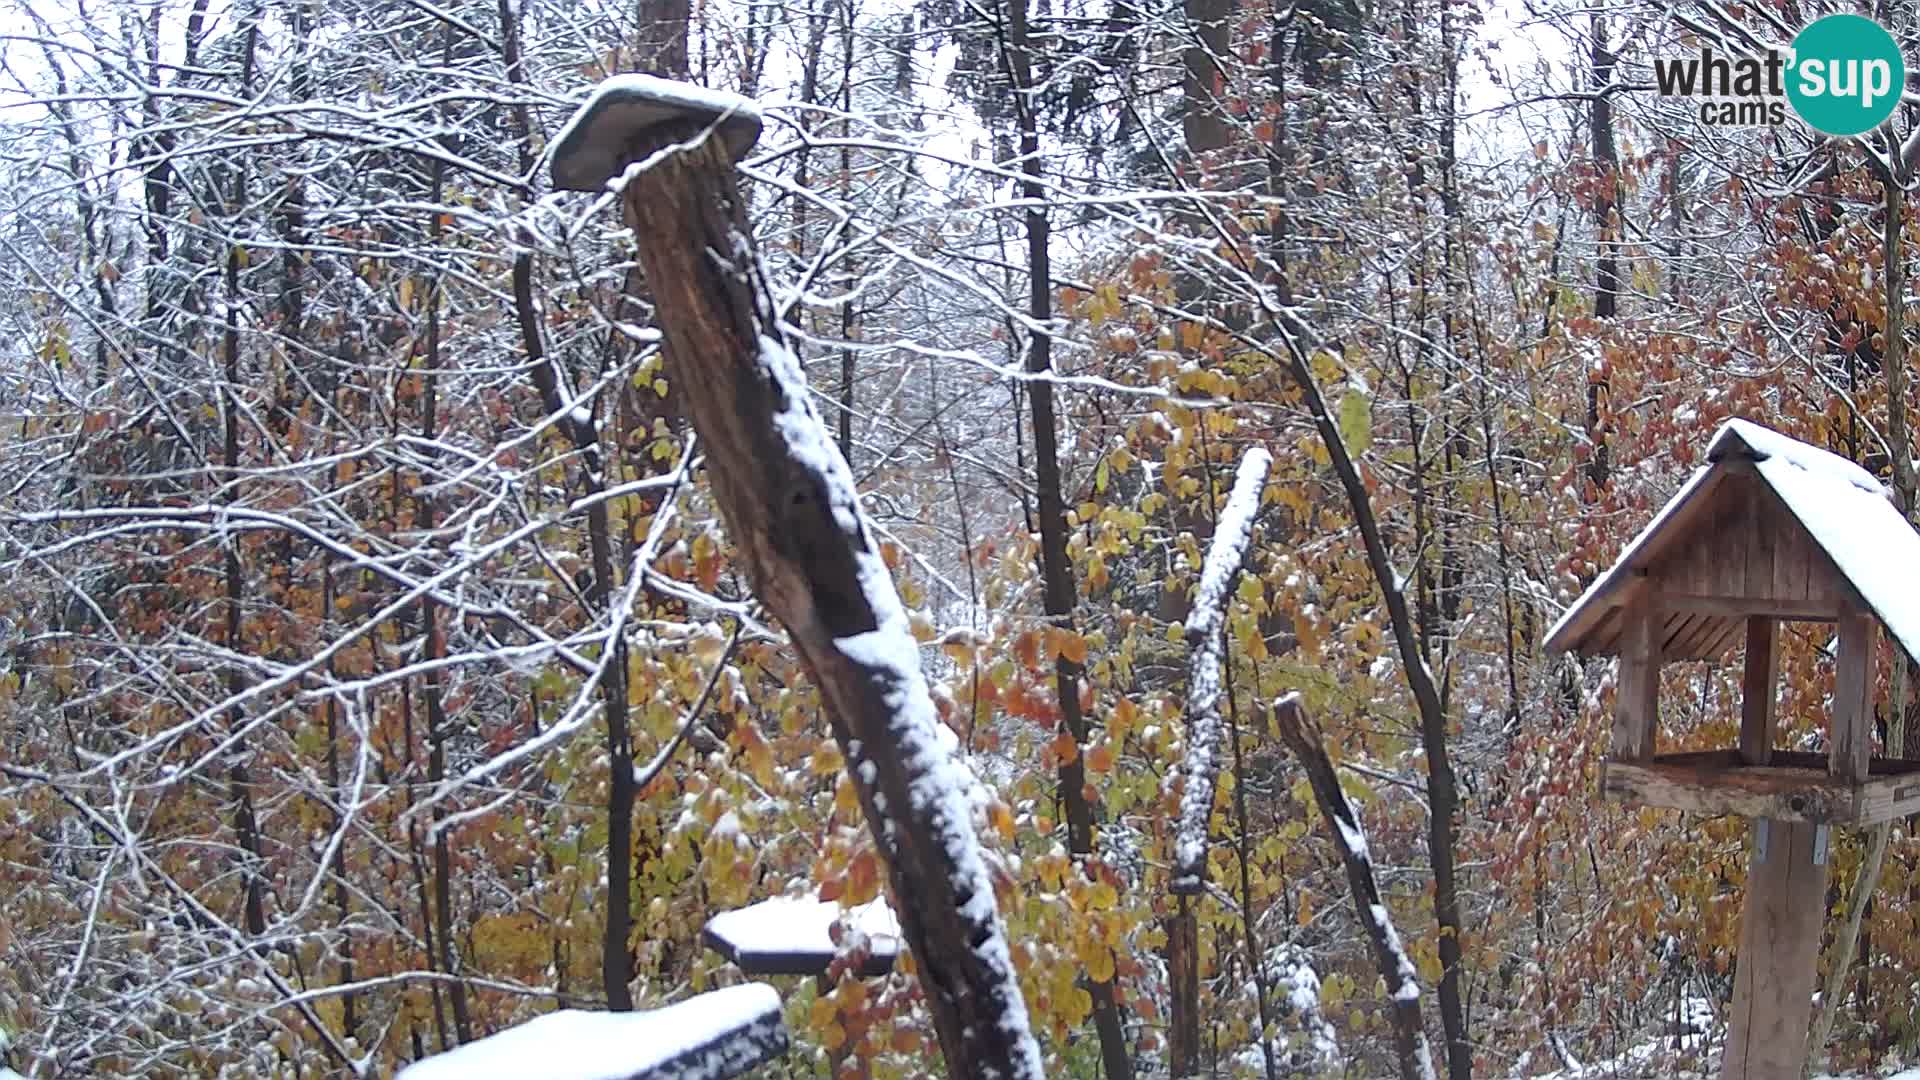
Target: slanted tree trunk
[[791, 510], [1302, 736], [1207, 646]]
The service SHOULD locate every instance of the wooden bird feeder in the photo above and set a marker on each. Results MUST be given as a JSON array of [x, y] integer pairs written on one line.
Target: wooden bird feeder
[[1770, 530]]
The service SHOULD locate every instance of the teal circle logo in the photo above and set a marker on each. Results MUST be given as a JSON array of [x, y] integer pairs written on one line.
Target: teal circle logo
[[1847, 75]]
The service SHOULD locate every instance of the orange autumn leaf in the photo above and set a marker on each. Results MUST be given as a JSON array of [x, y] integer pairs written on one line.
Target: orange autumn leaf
[[1026, 649]]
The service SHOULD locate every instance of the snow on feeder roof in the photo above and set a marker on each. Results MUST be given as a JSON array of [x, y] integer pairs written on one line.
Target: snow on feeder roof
[[794, 935], [1769, 526], [596, 145], [711, 1036]]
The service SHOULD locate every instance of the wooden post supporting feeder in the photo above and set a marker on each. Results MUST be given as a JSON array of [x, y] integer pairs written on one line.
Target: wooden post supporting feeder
[[797, 527], [1770, 530]]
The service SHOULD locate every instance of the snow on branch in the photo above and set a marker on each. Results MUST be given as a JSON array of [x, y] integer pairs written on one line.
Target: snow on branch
[[1302, 737], [711, 1036], [1228, 553]]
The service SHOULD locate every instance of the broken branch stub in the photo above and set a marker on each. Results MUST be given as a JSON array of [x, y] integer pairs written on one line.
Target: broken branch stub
[[794, 517]]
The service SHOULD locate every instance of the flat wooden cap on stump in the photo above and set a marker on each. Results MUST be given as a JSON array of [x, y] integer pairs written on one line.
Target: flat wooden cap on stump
[[597, 144]]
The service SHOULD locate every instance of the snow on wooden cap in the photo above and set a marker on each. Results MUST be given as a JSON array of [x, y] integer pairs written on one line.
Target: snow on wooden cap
[[1770, 526], [597, 144]]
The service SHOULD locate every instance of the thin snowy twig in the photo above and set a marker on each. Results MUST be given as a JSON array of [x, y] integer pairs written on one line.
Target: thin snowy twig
[[644, 774]]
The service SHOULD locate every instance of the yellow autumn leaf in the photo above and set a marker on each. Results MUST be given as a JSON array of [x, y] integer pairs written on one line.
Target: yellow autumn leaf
[[1100, 964], [826, 759]]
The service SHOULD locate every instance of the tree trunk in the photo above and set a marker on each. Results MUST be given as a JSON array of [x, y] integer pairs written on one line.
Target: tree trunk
[[790, 507], [245, 825], [1606, 276], [616, 957], [1055, 569], [1302, 737], [431, 686], [1208, 31]]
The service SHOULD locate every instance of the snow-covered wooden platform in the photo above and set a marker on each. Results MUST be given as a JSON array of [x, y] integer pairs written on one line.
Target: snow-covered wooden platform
[[797, 935], [712, 1036]]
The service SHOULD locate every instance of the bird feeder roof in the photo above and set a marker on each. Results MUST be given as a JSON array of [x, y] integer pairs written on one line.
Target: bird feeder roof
[[1769, 526]]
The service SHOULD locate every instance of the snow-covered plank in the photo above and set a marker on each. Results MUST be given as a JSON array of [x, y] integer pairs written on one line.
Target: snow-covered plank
[[712, 1036], [1225, 556], [795, 935]]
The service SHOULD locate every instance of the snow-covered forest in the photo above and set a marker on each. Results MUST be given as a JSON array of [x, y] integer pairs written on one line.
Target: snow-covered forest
[[1236, 391]]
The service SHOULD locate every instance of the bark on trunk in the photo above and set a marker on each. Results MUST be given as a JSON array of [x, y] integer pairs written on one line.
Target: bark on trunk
[[245, 825], [1606, 277]]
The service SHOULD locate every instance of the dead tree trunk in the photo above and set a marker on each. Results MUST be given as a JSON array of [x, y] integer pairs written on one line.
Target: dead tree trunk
[[1302, 737], [1207, 642], [792, 513]]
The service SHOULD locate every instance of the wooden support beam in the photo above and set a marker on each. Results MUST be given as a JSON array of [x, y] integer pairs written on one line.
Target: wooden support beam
[[1853, 695], [1757, 691], [1779, 944], [1636, 707]]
